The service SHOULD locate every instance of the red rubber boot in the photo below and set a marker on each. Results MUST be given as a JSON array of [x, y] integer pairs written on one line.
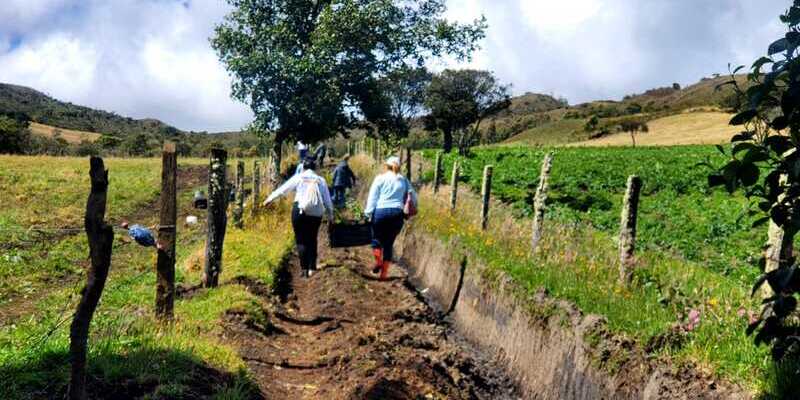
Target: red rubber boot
[[378, 253], [385, 270]]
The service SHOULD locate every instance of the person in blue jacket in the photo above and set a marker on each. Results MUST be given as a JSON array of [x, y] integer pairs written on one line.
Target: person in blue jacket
[[385, 207], [343, 179]]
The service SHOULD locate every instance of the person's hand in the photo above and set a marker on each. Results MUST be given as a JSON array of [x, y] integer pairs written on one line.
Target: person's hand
[[266, 203]]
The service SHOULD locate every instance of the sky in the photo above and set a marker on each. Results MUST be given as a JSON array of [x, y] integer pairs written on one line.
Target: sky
[[152, 58]]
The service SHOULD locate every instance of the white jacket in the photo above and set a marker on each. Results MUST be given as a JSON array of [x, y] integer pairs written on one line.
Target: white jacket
[[300, 183]]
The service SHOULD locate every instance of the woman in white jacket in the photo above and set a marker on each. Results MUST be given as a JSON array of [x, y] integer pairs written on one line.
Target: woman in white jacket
[[311, 201]]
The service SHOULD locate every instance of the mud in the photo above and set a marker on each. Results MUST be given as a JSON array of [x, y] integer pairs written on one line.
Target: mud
[[550, 348], [342, 334]]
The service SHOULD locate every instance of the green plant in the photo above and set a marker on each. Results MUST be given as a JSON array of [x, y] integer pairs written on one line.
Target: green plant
[[764, 160]]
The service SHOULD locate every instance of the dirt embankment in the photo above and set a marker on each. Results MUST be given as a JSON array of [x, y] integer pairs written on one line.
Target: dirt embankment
[[549, 347], [341, 334]]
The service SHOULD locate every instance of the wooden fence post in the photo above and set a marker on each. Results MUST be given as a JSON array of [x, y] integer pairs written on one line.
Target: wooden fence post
[[627, 232], [101, 238], [486, 192], [454, 186], [408, 163], [437, 172], [539, 201], [238, 210], [255, 197], [168, 218], [780, 245], [217, 217]]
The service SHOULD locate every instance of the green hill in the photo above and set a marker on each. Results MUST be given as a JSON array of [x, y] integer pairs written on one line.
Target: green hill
[[46, 110]]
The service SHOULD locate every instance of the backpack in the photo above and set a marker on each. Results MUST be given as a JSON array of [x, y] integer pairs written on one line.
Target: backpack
[[311, 204]]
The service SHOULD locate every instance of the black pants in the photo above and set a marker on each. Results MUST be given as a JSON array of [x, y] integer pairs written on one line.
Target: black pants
[[386, 225], [306, 229]]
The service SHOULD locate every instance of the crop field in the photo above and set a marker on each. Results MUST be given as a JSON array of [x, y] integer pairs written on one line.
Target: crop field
[[678, 212]]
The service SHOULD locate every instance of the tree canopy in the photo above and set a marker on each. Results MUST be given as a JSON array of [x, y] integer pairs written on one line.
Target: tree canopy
[[310, 69], [458, 100]]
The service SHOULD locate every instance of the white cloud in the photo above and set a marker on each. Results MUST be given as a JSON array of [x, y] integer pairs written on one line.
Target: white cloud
[[151, 58]]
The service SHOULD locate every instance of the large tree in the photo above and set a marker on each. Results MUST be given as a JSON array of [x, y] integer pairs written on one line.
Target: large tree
[[311, 68], [459, 100]]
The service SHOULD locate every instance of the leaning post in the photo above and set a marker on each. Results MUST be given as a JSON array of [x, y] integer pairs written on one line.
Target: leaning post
[[217, 217], [165, 264], [437, 172], [627, 233], [238, 211], [256, 187], [101, 238], [539, 201], [486, 193], [454, 186]]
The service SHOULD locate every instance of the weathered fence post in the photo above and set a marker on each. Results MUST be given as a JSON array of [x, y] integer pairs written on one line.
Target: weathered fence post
[[486, 193], [454, 186], [238, 210], [275, 177], [539, 201], [780, 245], [101, 237], [217, 217], [437, 171], [408, 163], [627, 232], [165, 264], [254, 198], [419, 168]]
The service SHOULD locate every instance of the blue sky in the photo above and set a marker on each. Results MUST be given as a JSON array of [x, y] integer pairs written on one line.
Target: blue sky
[[151, 58]]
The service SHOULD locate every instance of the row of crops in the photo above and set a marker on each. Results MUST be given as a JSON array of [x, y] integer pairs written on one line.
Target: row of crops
[[679, 213]]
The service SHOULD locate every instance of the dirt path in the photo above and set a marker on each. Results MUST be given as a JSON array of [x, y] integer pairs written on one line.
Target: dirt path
[[341, 334]]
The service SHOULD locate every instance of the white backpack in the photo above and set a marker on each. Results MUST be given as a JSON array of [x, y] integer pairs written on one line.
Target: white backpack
[[311, 204]]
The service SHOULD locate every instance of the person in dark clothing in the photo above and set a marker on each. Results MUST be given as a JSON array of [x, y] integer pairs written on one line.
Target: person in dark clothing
[[311, 201], [343, 179]]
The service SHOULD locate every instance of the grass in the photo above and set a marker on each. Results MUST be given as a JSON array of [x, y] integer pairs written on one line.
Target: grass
[[578, 264], [561, 131], [129, 349]]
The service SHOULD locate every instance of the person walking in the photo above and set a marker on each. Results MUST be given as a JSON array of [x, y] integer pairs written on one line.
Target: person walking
[[312, 200], [343, 179], [387, 204]]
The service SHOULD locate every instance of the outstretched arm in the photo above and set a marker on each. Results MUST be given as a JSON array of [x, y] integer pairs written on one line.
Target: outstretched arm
[[372, 198], [287, 187], [326, 198]]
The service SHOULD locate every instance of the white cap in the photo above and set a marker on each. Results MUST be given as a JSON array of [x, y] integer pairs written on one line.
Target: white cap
[[393, 161]]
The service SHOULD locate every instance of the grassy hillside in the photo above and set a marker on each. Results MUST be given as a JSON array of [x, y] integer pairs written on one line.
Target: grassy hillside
[[46, 110], [678, 129], [697, 114], [71, 136]]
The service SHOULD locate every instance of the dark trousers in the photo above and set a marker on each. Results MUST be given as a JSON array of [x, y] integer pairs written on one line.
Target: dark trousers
[[306, 229], [339, 196], [386, 225]]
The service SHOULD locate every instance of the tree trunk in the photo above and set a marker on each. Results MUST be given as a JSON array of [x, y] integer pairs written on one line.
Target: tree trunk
[[217, 217], [101, 238], [539, 201], [448, 140], [165, 265]]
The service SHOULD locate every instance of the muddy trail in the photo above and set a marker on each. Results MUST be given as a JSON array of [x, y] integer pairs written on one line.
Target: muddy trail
[[342, 334]]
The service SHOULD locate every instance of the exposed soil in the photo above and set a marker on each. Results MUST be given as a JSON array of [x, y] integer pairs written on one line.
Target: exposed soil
[[342, 334]]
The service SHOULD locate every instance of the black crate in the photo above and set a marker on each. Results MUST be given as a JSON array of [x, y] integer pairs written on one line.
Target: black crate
[[350, 234]]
